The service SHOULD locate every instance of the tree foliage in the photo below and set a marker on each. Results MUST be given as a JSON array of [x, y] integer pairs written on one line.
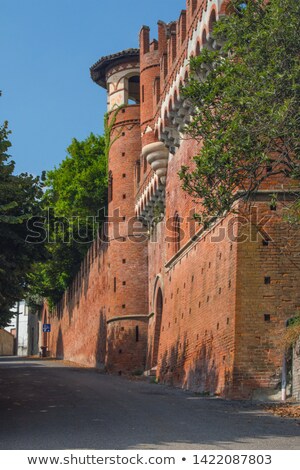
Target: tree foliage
[[246, 98], [19, 201], [76, 192]]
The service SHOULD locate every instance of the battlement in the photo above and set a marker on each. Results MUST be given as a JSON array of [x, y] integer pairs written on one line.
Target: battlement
[[179, 40]]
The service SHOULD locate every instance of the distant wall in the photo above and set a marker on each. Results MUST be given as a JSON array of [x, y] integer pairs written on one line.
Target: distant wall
[[296, 371], [78, 324], [6, 343]]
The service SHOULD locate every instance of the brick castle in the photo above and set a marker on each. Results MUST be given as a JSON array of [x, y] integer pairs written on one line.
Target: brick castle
[[201, 309]]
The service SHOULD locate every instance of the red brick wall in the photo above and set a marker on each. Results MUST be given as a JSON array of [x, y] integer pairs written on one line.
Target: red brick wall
[[197, 337], [127, 345], [78, 325], [222, 320], [268, 294], [157, 259]]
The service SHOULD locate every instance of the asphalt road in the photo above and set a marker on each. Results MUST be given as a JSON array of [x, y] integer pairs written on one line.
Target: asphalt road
[[48, 405]]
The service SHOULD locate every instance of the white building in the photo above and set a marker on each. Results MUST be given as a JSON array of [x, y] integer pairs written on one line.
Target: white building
[[25, 328]]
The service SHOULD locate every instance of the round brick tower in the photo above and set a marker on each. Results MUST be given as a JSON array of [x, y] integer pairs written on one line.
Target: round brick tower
[[127, 319]]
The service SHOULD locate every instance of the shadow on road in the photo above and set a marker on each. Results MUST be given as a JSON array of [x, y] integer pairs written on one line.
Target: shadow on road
[[45, 405]]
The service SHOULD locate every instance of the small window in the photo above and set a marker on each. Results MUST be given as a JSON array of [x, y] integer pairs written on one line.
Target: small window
[[212, 20], [134, 90], [177, 232], [157, 89], [138, 171], [110, 187]]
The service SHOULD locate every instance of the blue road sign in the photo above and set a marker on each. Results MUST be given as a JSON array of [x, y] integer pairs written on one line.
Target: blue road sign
[[46, 328]]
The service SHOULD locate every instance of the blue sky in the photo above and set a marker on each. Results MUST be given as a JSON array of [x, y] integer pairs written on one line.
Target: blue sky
[[47, 47]]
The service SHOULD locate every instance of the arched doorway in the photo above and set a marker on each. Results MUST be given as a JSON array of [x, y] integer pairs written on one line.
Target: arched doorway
[[158, 318]]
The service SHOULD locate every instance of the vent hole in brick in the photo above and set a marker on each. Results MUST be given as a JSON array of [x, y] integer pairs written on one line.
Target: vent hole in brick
[[190, 311], [227, 321], [184, 285], [124, 196], [199, 305], [124, 175], [123, 260], [123, 110], [220, 290], [269, 168], [123, 306], [137, 334], [267, 280], [230, 247], [218, 326], [123, 154], [123, 133], [229, 284], [207, 298], [192, 278], [120, 351], [267, 317], [124, 283]]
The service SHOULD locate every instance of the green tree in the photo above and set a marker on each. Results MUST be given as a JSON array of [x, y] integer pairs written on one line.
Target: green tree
[[76, 192], [19, 201], [246, 98]]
